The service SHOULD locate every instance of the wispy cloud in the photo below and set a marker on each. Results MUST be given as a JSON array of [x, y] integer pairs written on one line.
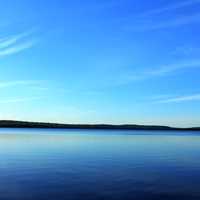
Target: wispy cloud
[[7, 84], [51, 89], [163, 70], [178, 21], [17, 48], [195, 97], [151, 19], [16, 100], [170, 7], [150, 25], [7, 41], [17, 43]]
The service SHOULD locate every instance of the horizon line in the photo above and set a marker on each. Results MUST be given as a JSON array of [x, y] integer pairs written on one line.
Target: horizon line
[[95, 124]]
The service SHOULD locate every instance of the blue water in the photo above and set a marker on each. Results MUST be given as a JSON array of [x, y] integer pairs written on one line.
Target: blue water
[[90, 165]]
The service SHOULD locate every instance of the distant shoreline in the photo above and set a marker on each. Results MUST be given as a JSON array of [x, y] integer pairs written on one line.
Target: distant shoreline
[[26, 124]]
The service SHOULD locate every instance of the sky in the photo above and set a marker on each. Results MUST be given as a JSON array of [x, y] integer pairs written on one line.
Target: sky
[[103, 61]]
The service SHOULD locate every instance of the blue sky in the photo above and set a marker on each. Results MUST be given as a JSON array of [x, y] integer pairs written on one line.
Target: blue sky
[[105, 61]]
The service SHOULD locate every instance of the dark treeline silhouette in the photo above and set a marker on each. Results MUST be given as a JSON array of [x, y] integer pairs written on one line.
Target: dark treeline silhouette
[[25, 124]]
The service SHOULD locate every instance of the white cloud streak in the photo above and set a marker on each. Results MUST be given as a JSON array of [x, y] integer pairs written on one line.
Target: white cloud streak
[[7, 84], [164, 70], [179, 21], [17, 43], [171, 7], [195, 97], [151, 25], [16, 100], [174, 67], [17, 48], [6, 42], [149, 21]]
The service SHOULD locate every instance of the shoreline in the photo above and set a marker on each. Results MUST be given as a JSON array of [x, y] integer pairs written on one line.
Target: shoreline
[[45, 125]]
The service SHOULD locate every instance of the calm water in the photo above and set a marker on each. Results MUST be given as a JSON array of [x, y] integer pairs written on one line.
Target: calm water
[[90, 165]]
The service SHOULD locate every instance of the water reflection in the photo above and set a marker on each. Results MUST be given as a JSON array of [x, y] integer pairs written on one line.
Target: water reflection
[[64, 164]]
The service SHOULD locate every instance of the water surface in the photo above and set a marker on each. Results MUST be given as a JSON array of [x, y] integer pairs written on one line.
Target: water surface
[[88, 164]]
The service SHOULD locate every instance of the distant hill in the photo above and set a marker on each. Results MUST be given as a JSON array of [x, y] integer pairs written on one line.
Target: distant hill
[[24, 124]]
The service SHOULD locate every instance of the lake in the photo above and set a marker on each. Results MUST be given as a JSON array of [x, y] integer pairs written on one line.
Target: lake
[[92, 164]]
